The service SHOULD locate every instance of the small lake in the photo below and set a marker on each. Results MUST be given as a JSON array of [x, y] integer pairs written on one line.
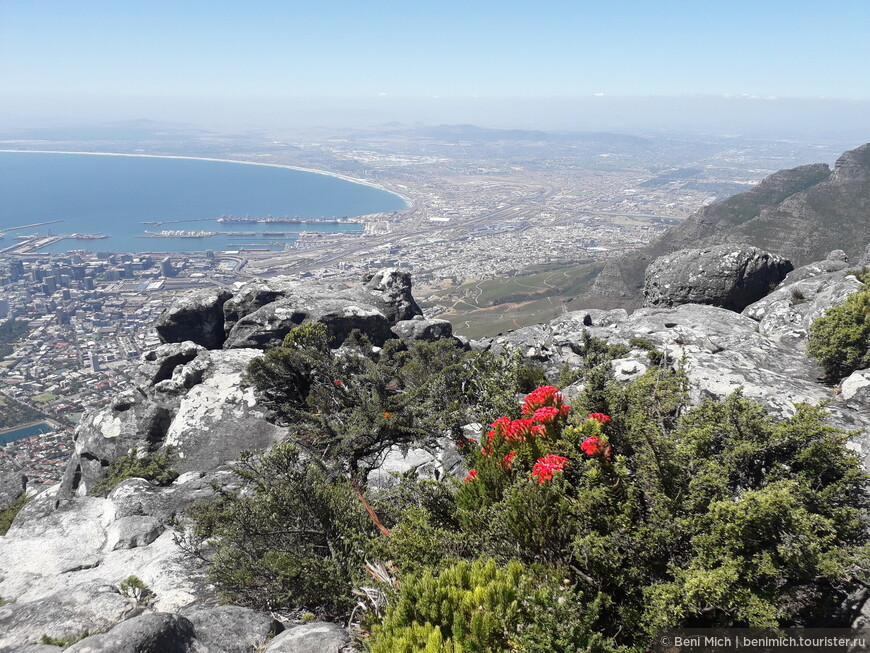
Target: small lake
[[25, 432]]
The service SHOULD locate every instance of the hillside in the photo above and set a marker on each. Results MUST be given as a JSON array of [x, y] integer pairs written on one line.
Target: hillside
[[800, 214]]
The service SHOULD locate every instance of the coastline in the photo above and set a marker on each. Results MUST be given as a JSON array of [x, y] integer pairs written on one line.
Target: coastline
[[353, 180]]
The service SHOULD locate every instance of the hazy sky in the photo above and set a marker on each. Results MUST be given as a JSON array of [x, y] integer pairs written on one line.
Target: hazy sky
[[128, 55]]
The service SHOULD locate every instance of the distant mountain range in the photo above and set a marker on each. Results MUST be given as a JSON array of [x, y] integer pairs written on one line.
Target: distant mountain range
[[802, 214]]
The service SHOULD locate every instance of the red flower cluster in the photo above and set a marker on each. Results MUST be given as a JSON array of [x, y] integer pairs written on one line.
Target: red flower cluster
[[546, 395], [471, 475], [599, 417], [508, 460], [337, 383], [546, 466], [592, 445], [548, 414]]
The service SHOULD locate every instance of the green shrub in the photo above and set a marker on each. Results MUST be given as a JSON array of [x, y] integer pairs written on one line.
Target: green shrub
[[8, 514], [717, 516], [482, 608], [294, 537], [64, 642], [840, 340], [135, 588], [155, 467]]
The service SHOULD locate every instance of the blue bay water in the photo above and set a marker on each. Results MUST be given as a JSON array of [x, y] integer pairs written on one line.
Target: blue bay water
[[114, 195]]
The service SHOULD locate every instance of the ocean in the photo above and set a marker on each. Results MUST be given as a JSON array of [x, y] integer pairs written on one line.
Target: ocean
[[116, 195]]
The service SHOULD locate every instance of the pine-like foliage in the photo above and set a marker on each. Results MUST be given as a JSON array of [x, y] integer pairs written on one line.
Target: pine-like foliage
[[840, 339]]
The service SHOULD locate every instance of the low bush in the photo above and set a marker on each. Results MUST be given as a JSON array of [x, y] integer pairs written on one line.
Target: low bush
[[8, 514], [840, 340], [155, 467]]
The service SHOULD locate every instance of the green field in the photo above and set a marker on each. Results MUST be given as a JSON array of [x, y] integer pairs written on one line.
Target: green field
[[486, 308]]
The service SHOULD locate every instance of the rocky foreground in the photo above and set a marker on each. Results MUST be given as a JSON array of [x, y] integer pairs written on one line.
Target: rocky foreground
[[67, 554]]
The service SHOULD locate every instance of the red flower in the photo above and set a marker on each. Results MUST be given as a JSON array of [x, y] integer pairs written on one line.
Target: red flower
[[471, 475], [337, 383], [508, 460], [546, 466], [592, 445], [519, 430], [547, 414], [599, 417], [546, 395]]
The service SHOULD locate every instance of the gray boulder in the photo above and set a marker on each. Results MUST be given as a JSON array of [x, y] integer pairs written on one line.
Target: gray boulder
[[131, 421], [267, 326], [389, 291], [12, 486], [231, 628], [436, 462], [147, 633], [729, 276], [159, 364], [133, 531], [65, 614], [422, 329], [218, 418], [137, 497], [198, 316], [258, 293], [786, 314], [322, 637], [201, 409], [835, 261]]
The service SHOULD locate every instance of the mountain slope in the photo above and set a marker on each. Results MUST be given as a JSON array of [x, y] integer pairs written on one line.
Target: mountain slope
[[800, 214]]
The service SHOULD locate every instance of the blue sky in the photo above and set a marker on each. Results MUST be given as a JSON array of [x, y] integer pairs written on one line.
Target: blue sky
[[181, 51]]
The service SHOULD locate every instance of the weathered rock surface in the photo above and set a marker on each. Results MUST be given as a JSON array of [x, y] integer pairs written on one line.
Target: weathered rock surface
[[389, 291], [12, 486], [730, 276], [261, 312], [190, 398], [198, 316], [437, 463], [147, 633], [267, 326], [88, 606], [231, 628], [310, 638], [422, 329]]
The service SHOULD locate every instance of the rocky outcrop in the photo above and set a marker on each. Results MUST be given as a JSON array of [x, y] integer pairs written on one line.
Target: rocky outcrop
[[198, 317], [189, 398], [231, 628], [389, 291], [261, 312], [162, 632], [310, 638], [267, 326], [12, 486], [423, 329], [730, 276]]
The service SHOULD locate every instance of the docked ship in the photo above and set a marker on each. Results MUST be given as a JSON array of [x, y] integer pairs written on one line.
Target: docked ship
[[179, 233]]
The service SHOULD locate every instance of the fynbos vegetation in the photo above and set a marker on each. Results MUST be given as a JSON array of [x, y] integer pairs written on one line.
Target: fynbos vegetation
[[582, 527]]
